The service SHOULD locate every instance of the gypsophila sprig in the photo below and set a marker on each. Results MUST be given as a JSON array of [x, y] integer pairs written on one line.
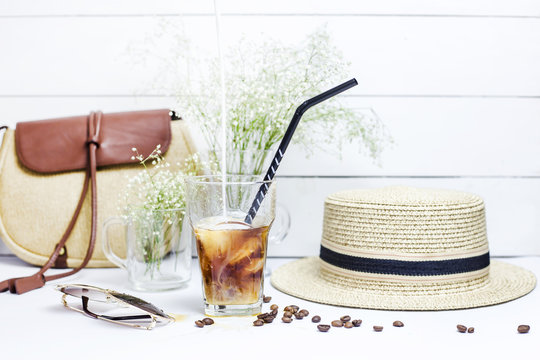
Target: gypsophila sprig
[[265, 81], [148, 194]]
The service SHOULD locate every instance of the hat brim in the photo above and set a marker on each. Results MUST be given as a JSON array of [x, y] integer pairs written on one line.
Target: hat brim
[[301, 278]]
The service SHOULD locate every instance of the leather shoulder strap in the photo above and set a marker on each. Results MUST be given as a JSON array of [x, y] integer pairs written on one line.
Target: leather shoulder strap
[[25, 284]]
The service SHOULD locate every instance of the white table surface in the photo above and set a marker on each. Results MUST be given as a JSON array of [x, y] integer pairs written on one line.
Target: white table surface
[[37, 325]]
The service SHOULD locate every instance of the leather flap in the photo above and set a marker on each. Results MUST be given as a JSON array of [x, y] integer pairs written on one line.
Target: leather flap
[[55, 145]]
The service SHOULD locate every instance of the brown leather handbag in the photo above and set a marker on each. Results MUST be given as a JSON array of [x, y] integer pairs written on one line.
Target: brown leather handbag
[[45, 166]]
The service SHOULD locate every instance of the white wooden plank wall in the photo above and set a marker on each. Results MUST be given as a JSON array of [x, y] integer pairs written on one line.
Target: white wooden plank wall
[[457, 84]]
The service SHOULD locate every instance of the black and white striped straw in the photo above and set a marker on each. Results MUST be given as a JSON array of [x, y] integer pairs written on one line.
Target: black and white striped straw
[[287, 139]]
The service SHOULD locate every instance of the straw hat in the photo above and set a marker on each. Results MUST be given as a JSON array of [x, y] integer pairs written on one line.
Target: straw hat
[[401, 248]]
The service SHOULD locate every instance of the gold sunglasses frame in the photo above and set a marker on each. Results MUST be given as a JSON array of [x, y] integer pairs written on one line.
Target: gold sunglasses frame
[[110, 298]]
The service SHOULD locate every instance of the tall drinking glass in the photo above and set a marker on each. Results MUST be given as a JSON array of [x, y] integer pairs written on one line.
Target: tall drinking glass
[[232, 253]]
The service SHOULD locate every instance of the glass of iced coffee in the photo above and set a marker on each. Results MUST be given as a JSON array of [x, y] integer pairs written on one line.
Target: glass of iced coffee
[[231, 247]]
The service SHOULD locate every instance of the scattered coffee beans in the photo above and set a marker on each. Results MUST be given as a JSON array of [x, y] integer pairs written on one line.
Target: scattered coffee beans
[[323, 328], [523, 329], [344, 321], [199, 323], [461, 328], [337, 323], [207, 321], [266, 299]]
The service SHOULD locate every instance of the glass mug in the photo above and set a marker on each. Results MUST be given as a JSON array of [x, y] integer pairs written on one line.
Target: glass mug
[[158, 255], [232, 253]]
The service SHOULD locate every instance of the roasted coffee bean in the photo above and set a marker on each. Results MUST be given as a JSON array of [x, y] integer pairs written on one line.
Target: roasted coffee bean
[[397, 323], [377, 328], [262, 316], [299, 315], [337, 323], [523, 329], [304, 312], [287, 314], [267, 299], [470, 330], [273, 312], [207, 321], [357, 323], [286, 319], [258, 322], [274, 307], [348, 325], [199, 323], [461, 328], [316, 319], [268, 319], [323, 328], [292, 308], [345, 318]]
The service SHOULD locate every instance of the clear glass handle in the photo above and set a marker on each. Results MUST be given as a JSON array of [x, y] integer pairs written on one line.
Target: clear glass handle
[[106, 244], [281, 225]]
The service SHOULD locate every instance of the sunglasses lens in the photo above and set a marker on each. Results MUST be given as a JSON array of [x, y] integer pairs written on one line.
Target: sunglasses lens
[[140, 303], [79, 291], [110, 311]]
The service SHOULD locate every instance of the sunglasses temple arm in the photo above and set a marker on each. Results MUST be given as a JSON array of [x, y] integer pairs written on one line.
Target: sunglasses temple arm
[[116, 318], [85, 307]]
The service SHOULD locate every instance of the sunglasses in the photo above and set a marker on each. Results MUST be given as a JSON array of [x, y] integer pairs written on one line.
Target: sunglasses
[[115, 307]]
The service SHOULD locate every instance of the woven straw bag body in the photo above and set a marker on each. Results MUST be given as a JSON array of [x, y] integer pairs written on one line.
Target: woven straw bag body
[[35, 208]]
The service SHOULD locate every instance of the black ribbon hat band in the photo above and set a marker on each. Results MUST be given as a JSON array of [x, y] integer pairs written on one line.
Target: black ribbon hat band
[[405, 268]]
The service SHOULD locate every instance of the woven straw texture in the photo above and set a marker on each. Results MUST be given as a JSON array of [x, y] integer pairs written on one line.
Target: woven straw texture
[[35, 209], [302, 279], [405, 220], [404, 224]]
